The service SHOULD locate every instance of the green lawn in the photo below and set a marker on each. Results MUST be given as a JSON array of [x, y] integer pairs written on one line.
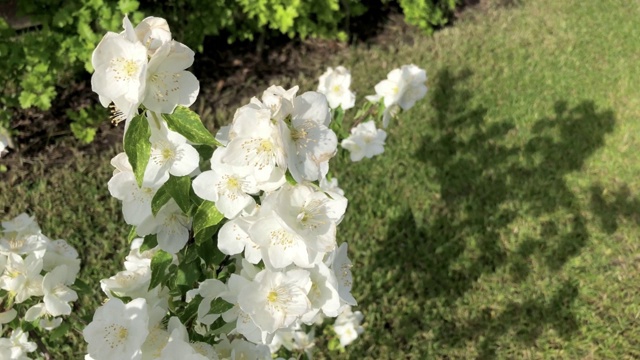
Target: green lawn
[[503, 219]]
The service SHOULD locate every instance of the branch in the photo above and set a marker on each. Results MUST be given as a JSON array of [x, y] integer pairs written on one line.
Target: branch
[[43, 349]]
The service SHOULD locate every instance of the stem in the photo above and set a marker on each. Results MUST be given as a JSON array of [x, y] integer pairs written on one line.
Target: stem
[[77, 318], [364, 116], [40, 344], [9, 305], [222, 264]]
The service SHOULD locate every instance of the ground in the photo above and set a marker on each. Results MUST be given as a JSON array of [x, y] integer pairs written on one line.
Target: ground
[[502, 219]]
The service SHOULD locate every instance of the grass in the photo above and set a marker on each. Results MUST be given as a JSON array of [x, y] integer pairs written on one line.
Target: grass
[[501, 221]]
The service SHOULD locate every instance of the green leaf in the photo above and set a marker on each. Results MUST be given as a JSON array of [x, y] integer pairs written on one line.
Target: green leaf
[[206, 215], [189, 125], [137, 146], [82, 287], [161, 197], [159, 264], [127, 6], [188, 274], [149, 242], [190, 254], [218, 306], [220, 327], [132, 234], [338, 115], [205, 235], [290, 178], [208, 249], [60, 331], [190, 311], [179, 187], [205, 151], [334, 344], [29, 325]]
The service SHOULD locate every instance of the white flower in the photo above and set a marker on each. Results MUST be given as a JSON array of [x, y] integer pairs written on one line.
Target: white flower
[[177, 345], [339, 202], [209, 289], [305, 211], [205, 349], [153, 32], [233, 237], [403, 86], [331, 186], [303, 341], [56, 294], [170, 152], [31, 244], [308, 141], [240, 349], [244, 324], [50, 323], [365, 141], [131, 283], [180, 349], [171, 225], [35, 312], [16, 346], [139, 259], [7, 316], [341, 266], [275, 300], [20, 226], [390, 113], [323, 294], [5, 141], [136, 201], [120, 63], [224, 135], [279, 101], [59, 252], [22, 277], [21, 235], [118, 330], [347, 326], [158, 334], [226, 185], [168, 84], [334, 84], [279, 245], [257, 144]]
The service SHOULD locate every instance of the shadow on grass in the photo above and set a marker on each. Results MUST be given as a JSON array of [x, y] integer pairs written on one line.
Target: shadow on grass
[[611, 206], [489, 178]]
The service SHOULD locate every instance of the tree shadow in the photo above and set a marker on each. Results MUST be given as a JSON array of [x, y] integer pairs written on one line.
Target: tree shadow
[[610, 207], [524, 321], [489, 178]]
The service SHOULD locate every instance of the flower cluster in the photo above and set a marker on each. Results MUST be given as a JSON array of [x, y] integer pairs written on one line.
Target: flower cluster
[[234, 236], [143, 65], [400, 91], [334, 84], [234, 249], [35, 277]]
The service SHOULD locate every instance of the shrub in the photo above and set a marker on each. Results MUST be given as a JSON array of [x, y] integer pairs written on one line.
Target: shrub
[[427, 14]]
